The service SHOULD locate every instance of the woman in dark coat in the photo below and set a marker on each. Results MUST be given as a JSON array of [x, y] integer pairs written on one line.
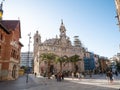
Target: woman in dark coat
[[111, 77]]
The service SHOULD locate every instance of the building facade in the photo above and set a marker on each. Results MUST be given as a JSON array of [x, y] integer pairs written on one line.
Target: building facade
[[60, 46], [89, 61], [104, 64], [27, 60], [10, 48]]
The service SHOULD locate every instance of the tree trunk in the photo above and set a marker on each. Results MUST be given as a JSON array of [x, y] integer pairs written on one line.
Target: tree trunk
[[60, 67], [48, 73]]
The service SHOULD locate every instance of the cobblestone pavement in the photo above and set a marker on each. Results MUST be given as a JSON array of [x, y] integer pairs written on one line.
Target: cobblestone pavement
[[98, 80], [40, 83]]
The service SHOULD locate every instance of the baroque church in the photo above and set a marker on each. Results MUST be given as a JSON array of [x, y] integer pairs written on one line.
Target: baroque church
[[60, 46]]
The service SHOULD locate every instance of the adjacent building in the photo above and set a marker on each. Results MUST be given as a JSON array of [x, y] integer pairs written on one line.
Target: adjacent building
[[27, 60], [89, 61], [104, 64], [10, 48]]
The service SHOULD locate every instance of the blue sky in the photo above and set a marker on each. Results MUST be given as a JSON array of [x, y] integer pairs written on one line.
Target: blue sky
[[92, 20]]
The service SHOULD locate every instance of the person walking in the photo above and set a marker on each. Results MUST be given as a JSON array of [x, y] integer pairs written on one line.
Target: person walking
[[35, 74], [62, 76], [116, 73], [111, 77], [108, 76], [72, 75], [78, 75]]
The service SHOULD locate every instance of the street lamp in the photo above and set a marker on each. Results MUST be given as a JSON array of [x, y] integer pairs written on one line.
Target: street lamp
[[28, 58]]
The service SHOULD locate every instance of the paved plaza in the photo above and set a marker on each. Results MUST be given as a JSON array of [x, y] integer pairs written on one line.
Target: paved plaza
[[97, 82]]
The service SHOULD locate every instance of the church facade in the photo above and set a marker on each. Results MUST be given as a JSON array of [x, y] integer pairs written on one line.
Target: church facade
[[60, 46]]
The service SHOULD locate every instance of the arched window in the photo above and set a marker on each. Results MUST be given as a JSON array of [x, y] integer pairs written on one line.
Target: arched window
[[14, 71]]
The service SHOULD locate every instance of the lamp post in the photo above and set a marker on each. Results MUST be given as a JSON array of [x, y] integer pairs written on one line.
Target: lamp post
[[28, 58]]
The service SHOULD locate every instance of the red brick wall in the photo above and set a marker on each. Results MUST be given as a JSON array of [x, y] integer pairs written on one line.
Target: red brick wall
[[2, 43], [10, 51], [5, 65]]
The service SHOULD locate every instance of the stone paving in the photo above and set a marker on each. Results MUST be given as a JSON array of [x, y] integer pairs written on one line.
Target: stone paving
[[97, 82]]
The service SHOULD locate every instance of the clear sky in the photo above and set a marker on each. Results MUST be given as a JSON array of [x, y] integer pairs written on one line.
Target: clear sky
[[92, 20]]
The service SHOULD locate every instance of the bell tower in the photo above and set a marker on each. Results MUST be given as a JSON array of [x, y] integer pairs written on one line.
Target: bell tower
[[62, 30], [64, 40], [37, 42]]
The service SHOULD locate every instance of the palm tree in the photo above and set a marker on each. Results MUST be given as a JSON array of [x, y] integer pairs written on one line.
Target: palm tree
[[75, 58], [49, 58], [61, 60]]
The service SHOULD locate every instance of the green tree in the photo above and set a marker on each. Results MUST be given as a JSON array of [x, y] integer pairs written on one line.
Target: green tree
[[49, 58], [61, 60], [74, 59]]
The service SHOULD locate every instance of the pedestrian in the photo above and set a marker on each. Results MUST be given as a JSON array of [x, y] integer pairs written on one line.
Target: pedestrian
[[72, 75], [116, 73], [59, 76], [78, 75], [62, 76], [90, 74], [35, 74], [111, 77], [56, 76], [108, 76]]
